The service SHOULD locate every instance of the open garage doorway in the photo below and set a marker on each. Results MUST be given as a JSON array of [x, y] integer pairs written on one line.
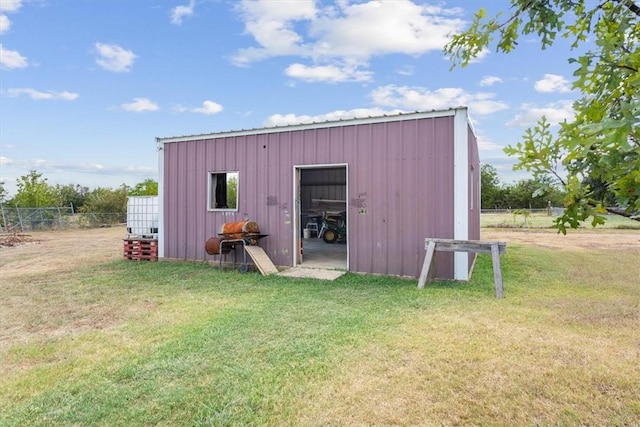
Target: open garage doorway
[[321, 217]]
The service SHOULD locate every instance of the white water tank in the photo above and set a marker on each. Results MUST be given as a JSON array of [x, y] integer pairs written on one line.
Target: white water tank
[[142, 216]]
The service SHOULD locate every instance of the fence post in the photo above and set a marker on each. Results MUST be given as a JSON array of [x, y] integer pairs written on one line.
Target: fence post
[[19, 218], [4, 219], [60, 224]]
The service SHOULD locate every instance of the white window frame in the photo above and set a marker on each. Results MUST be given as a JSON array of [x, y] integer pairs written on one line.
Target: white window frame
[[211, 182]]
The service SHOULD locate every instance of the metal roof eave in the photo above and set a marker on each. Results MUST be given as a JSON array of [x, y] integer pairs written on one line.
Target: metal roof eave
[[315, 125]]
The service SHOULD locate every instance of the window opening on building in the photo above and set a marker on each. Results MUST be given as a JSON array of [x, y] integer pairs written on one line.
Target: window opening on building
[[223, 191]]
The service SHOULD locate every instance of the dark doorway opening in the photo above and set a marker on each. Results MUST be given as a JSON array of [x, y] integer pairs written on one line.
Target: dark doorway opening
[[322, 195]]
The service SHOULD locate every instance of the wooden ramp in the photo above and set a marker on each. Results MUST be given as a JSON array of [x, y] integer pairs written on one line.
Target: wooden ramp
[[261, 260]]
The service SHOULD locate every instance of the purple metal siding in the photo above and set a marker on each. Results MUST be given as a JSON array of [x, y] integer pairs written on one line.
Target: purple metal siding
[[442, 189], [409, 172], [377, 234], [400, 190], [191, 222], [396, 195]]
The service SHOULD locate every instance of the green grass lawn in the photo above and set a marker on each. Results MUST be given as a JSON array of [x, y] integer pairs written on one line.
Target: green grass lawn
[[173, 344]]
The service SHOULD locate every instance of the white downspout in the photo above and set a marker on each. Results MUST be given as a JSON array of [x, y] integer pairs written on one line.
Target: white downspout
[[160, 147]]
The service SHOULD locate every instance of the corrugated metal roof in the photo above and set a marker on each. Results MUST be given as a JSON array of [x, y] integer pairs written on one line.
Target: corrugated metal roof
[[314, 125]]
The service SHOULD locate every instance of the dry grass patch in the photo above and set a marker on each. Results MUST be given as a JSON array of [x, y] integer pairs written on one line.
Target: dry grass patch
[[126, 343], [585, 240], [562, 351], [475, 379], [58, 251]]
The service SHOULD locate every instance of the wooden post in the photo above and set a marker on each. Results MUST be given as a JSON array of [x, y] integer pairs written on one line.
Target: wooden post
[[497, 271], [431, 247]]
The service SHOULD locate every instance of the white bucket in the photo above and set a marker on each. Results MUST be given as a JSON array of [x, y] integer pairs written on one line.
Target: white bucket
[[306, 233]]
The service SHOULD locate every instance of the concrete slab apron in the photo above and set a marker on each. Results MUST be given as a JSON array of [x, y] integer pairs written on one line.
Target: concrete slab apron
[[312, 273]]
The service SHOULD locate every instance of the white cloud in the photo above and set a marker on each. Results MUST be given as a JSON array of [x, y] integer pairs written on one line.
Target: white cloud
[[43, 165], [140, 105], [406, 70], [327, 73], [271, 25], [5, 161], [10, 59], [556, 112], [553, 83], [5, 24], [362, 30], [180, 12], [10, 5], [112, 57], [490, 80], [292, 119], [7, 6], [422, 99], [40, 96], [346, 33], [480, 56], [485, 143], [504, 165], [208, 107]]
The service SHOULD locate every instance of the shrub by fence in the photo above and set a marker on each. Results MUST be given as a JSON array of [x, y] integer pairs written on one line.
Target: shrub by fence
[[15, 219]]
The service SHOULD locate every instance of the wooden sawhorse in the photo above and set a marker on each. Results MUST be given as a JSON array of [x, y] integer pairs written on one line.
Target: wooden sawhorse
[[476, 246]]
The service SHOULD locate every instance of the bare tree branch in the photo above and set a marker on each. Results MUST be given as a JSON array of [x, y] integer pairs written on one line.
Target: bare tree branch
[[631, 5]]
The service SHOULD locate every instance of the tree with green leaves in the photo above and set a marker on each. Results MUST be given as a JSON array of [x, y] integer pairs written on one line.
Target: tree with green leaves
[[3, 192], [602, 143], [33, 191], [490, 187], [527, 194], [232, 191], [148, 187], [71, 195], [107, 205]]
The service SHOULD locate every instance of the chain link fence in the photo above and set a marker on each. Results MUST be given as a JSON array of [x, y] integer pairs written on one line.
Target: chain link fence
[[553, 211], [14, 219]]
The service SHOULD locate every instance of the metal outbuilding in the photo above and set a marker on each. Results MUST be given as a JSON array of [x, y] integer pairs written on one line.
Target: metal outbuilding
[[400, 178]]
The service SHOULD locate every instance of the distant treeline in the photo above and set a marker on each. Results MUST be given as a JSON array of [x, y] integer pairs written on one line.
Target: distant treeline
[[33, 191]]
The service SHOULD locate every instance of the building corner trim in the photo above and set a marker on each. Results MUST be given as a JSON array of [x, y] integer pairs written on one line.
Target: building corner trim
[[160, 149], [461, 191]]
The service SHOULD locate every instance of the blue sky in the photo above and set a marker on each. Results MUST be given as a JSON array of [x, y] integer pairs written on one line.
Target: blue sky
[[87, 86]]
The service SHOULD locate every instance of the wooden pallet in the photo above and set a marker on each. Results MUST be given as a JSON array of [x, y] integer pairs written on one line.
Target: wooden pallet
[[141, 249]]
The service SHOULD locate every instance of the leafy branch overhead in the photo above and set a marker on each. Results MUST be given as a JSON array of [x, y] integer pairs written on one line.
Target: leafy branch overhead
[[602, 143]]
